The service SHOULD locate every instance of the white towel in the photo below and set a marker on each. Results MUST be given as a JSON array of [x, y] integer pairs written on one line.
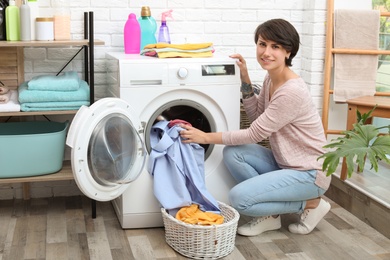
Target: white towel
[[355, 74], [13, 104]]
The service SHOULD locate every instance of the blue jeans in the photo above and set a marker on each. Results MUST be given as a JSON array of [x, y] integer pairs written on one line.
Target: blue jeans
[[263, 188]]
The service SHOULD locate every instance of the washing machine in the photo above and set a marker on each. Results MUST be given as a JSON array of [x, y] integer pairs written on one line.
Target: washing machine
[[202, 91]]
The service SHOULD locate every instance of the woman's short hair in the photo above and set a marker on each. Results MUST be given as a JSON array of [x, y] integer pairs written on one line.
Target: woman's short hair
[[281, 32]]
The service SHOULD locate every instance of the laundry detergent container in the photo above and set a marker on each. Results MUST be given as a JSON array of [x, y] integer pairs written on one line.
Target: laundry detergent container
[[31, 148]]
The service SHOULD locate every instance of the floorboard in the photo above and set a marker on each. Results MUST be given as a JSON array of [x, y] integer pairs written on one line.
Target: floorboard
[[62, 228]]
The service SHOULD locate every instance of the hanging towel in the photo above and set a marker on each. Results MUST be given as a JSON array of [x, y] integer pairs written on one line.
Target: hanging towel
[[13, 104], [355, 75], [178, 171], [68, 81], [31, 96]]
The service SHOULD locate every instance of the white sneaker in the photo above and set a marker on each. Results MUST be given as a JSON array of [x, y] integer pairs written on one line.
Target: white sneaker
[[310, 218], [259, 225]]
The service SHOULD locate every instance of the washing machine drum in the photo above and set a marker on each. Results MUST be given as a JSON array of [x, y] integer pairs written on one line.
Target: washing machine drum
[[107, 151]]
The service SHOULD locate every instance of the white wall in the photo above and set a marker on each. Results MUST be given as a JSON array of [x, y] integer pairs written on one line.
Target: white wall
[[229, 24]]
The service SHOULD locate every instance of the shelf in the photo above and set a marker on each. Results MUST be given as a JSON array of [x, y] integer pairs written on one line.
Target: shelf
[[39, 113], [48, 43], [64, 174]]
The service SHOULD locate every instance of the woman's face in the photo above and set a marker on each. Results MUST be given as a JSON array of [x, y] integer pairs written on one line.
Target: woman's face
[[270, 55]]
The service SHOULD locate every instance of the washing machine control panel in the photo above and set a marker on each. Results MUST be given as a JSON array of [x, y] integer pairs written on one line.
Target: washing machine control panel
[[182, 73]]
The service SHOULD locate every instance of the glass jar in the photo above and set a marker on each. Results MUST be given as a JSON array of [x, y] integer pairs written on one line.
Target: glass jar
[[44, 29]]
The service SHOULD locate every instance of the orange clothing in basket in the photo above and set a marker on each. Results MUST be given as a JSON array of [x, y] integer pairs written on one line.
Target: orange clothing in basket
[[193, 215]]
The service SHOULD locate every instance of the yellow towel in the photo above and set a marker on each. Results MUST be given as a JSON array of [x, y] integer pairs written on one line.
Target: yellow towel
[[175, 54], [185, 46], [193, 215]]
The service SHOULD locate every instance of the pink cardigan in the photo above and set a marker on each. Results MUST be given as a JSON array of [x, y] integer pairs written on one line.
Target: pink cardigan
[[292, 123]]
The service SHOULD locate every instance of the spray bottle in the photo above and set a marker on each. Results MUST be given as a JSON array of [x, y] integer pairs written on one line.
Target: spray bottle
[[163, 34]]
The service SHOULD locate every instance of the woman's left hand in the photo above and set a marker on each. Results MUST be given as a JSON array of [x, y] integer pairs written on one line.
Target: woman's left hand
[[191, 134]]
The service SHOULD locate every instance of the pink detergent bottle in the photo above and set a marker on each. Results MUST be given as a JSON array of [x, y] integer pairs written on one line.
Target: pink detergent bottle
[[132, 35], [163, 34]]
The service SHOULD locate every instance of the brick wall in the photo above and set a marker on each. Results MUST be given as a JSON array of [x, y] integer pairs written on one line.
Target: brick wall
[[229, 24]]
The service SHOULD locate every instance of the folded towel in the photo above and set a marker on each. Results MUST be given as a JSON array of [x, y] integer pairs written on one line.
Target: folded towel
[[30, 96], [355, 75], [13, 104], [68, 81], [3, 89], [158, 50], [174, 54], [4, 98], [53, 106], [185, 46]]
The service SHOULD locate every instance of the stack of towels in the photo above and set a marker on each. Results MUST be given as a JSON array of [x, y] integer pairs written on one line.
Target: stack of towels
[[187, 50], [8, 99], [47, 93]]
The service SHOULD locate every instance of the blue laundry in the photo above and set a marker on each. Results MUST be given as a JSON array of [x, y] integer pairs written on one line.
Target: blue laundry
[[178, 170]]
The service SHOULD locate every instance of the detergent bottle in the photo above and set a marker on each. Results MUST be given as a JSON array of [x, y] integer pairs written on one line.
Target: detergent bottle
[[163, 34], [148, 27], [12, 21], [132, 35]]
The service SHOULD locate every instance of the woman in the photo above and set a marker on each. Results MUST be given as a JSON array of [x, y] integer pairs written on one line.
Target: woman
[[287, 178]]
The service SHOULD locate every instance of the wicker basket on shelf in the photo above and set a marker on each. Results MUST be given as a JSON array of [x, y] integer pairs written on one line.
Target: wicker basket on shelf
[[245, 123], [202, 242]]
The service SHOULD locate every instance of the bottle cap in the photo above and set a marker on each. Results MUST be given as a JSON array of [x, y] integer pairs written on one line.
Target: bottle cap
[[145, 11], [44, 19]]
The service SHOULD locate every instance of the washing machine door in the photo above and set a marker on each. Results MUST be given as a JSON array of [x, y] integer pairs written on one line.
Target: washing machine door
[[107, 150]]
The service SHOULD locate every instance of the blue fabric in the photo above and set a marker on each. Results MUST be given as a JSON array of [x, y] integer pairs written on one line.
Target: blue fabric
[[29, 96], [178, 170], [263, 188], [53, 106], [68, 81]]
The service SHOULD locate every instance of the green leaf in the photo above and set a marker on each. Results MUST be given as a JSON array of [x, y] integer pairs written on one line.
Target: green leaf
[[356, 146]]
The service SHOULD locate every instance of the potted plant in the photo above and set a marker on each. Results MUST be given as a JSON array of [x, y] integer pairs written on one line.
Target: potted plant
[[362, 142]]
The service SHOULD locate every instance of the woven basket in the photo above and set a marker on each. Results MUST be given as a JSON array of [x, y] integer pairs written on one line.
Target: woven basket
[[245, 123], [202, 242]]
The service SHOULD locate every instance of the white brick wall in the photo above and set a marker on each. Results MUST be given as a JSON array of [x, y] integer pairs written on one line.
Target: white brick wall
[[229, 24]]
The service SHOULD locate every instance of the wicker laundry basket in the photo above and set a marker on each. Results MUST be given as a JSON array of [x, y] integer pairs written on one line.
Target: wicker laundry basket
[[245, 123], [202, 242]]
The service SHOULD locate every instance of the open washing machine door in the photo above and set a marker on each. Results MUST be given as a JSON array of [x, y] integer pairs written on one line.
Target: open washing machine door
[[107, 150]]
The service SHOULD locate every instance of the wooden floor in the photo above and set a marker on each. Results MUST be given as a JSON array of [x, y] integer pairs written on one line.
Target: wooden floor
[[62, 228]]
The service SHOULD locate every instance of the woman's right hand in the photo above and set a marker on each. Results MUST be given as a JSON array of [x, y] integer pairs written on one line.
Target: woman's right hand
[[241, 63]]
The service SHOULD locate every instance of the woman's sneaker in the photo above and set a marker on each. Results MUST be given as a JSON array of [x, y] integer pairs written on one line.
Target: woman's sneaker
[[259, 225], [310, 218]]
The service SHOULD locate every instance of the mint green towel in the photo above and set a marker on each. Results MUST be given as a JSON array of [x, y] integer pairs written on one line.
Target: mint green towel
[[53, 106], [68, 81], [30, 96]]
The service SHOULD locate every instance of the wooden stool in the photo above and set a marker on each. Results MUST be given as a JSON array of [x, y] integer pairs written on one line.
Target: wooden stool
[[364, 105]]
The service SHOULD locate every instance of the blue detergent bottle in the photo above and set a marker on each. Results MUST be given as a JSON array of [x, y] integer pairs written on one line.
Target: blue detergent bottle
[[148, 27], [163, 34]]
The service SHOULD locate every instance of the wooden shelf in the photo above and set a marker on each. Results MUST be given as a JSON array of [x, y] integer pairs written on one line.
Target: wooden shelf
[[48, 43], [64, 174], [39, 113]]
